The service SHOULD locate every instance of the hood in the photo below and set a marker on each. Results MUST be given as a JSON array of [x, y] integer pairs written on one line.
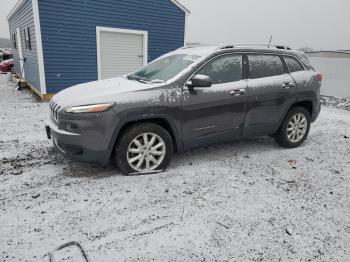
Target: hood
[[101, 91]]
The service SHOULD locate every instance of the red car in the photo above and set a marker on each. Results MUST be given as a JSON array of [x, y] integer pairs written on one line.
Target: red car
[[6, 66]]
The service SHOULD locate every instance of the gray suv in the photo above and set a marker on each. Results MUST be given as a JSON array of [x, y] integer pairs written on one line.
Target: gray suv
[[191, 97]]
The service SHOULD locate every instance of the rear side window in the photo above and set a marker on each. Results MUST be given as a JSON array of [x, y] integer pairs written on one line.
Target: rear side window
[[293, 64], [303, 58], [265, 66], [223, 69]]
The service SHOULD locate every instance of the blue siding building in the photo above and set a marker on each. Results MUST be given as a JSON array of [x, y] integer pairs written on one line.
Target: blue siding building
[[20, 23], [58, 44]]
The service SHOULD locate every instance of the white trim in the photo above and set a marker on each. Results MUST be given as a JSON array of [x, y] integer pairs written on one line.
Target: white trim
[[181, 6], [186, 29], [39, 46], [123, 31], [20, 52], [14, 9]]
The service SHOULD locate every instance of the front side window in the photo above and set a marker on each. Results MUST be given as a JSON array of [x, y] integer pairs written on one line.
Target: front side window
[[165, 68], [223, 69], [293, 64], [265, 66]]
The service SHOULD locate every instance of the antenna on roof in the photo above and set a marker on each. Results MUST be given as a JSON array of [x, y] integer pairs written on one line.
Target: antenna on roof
[[268, 46]]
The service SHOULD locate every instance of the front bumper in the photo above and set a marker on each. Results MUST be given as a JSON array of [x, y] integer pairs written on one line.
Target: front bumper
[[76, 146]]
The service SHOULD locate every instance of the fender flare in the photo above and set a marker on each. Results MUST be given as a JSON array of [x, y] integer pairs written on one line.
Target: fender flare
[[176, 133], [288, 109]]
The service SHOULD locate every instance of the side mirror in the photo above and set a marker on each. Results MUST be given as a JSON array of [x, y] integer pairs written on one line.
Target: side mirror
[[199, 81]]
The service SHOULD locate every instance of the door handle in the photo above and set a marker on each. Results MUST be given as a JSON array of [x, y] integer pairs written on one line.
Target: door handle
[[238, 92], [288, 85]]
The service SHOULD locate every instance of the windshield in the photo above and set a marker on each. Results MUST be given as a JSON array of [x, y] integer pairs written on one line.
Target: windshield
[[164, 68]]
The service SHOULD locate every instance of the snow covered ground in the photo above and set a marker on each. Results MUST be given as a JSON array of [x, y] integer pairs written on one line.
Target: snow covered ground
[[243, 201]]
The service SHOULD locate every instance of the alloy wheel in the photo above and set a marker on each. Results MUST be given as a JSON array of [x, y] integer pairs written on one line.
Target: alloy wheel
[[297, 127], [146, 152]]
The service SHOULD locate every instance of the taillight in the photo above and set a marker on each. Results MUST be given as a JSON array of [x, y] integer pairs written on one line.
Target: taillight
[[319, 76]]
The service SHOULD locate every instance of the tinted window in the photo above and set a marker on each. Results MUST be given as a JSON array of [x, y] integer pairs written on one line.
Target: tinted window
[[293, 64], [306, 62], [223, 69], [265, 66]]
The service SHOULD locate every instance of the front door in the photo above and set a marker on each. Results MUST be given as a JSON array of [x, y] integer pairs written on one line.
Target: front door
[[20, 52], [216, 113], [271, 93]]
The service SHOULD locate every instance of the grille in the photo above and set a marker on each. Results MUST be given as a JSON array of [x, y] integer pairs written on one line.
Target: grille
[[54, 107]]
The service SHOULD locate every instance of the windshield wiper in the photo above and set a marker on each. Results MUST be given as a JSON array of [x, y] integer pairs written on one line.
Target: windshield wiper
[[139, 79], [157, 81]]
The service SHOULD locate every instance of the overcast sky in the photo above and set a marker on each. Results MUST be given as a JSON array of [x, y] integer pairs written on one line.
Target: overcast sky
[[321, 24], [5, 8]]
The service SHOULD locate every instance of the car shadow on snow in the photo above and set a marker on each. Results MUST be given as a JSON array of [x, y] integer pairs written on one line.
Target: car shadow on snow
[[229, 150], [243, 148], [87, 170], [224, 151]]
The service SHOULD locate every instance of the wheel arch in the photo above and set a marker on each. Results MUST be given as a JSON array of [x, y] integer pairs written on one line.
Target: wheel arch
[[307, 104], [162, 121]]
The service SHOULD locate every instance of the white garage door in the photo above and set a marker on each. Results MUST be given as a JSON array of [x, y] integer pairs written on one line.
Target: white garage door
[[120, 52]]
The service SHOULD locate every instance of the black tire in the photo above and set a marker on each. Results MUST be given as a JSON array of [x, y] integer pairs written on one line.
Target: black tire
[[133, 132], [281, 136]]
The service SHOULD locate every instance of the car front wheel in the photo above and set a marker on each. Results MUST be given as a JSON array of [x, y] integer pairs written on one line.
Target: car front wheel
[[294, 129], [144, 148]]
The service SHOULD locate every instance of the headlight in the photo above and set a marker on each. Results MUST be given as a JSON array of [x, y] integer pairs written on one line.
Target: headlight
[[98, 108]]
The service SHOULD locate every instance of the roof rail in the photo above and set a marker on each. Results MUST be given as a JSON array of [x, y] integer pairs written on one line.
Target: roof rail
[[256, 45], [193, 46], [227, 47], [283, 47]]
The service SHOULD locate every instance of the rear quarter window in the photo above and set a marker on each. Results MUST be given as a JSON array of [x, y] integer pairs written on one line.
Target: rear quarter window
[[306, 62], [293, 64], [265, 66]]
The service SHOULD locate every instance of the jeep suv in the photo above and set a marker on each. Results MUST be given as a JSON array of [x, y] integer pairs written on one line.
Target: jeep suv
[[191, 97]]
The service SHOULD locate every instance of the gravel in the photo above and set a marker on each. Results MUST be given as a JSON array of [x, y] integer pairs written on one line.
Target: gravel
[[242, 201]]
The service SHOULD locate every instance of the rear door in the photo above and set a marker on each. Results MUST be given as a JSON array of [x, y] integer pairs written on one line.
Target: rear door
[[271, 93], [216, 113], [306, 80], [298, 72]]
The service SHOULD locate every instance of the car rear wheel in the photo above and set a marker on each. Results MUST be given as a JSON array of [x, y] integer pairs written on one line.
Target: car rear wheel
[[294, 129], [144, 148]]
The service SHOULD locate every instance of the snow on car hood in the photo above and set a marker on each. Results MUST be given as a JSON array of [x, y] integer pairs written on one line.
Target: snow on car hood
[[99, 91]]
